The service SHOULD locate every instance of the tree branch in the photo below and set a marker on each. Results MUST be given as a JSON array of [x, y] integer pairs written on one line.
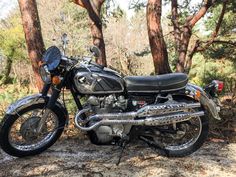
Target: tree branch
[[233, 43], [93, 12], [79, 2], [206, 5], [190, 56], [175, 22], [216, 31]]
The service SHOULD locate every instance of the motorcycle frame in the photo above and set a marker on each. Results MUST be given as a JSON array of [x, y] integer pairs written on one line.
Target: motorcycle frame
[[191, 90]]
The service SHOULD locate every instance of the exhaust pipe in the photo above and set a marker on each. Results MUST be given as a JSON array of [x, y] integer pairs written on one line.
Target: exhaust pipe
[[152, 110], [153, 114], [151, 121], [146, 111]]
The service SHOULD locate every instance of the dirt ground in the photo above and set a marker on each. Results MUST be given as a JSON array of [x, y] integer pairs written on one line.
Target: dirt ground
[[75, 157]]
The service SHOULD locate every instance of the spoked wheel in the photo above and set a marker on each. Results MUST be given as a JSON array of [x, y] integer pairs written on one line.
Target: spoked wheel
[[19, 136], [183, 138]]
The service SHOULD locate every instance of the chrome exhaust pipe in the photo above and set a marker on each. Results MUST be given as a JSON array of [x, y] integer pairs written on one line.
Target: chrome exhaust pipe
[[153, 110], [146, 111], [151, 121]]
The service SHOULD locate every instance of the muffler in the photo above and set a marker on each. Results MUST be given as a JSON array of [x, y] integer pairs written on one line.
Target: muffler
[[153, 115], [153, 110], [146, 111]]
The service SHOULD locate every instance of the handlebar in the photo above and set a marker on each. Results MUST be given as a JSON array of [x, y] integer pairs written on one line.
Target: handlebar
[[97, 65], [75, 61]]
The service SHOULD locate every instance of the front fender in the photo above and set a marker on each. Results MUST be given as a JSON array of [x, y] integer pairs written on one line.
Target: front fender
[[28, 100], [207, 103]]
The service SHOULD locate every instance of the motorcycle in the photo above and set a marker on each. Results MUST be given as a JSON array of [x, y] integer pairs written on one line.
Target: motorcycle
[[164, 111]]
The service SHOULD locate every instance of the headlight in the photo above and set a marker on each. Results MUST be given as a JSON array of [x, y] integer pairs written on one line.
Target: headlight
[[52, 57], [45, 74]]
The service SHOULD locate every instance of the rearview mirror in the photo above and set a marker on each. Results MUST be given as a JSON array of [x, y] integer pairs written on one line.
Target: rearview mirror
[[64, 39], [95, 51]]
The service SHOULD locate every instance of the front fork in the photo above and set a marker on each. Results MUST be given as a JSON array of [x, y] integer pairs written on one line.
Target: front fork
[[51, 103]]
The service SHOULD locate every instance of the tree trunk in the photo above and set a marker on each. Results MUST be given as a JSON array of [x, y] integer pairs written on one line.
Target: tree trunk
[[93, 8], [187, 33], [156, 40], [33, 35]]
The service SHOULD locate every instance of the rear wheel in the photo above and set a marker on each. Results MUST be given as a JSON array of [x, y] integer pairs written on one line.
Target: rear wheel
[[183, 138], [180, 139], [18, 135]]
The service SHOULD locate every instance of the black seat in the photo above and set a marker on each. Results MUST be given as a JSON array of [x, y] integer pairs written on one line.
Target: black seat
[[159, 83]]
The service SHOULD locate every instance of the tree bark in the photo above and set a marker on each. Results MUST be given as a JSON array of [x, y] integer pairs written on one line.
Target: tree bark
[[187, 33], [93, 8], [176, 25], [156, 39], [33, 36]]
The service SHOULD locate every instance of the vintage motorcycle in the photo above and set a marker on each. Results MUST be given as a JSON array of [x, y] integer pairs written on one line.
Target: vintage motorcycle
[[165, 111]]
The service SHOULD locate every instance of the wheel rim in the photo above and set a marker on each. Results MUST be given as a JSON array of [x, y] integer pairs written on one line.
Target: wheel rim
[[176, 142], [22, 134]]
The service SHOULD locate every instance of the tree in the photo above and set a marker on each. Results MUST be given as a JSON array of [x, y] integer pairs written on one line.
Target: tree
[[93, 8], [183, 32], [156, 39], [65, 18], [33, 35], [224, 45], [184, 19], [12, 44]]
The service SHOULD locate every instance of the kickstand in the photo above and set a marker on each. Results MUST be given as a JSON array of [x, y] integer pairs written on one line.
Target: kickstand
[[123, 145]]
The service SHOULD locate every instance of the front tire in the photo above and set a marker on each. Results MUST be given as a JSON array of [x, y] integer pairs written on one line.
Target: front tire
[[19, 127]]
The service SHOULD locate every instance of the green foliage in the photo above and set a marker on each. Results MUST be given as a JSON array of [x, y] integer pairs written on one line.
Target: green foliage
[[12, 45], [10, 93], [222, 50], [228, 23], [205, 70], [12, 41]]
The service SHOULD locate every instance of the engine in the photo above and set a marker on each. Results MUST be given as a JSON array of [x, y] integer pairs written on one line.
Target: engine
[[107, 104], [113, 104]]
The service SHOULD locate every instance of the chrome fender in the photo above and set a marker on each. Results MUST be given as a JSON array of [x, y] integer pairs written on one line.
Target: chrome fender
[[32, 99], [207, 103]]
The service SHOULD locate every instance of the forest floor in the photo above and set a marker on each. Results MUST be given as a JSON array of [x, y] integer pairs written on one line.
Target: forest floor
[[72, 156]]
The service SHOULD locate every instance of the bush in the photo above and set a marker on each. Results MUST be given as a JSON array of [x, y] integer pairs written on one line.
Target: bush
[[10, 93]]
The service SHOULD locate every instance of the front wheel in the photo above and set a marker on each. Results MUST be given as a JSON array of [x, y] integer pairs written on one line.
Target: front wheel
[[18, 135]]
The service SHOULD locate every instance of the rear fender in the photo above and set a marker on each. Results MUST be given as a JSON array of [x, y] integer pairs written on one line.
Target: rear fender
[[32, 99], [193, 90]]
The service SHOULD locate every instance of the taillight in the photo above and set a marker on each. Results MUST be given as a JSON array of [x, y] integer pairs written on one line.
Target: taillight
[[219, 85]]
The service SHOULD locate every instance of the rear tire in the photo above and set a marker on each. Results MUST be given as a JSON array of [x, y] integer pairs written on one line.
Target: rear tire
[[195, 146], [9, 120]]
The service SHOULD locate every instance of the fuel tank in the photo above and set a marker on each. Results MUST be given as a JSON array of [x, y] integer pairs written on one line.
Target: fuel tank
[[94, 80]]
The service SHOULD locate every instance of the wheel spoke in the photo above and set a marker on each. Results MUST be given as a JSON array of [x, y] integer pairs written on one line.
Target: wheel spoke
[[23, 135], [186, 135]]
